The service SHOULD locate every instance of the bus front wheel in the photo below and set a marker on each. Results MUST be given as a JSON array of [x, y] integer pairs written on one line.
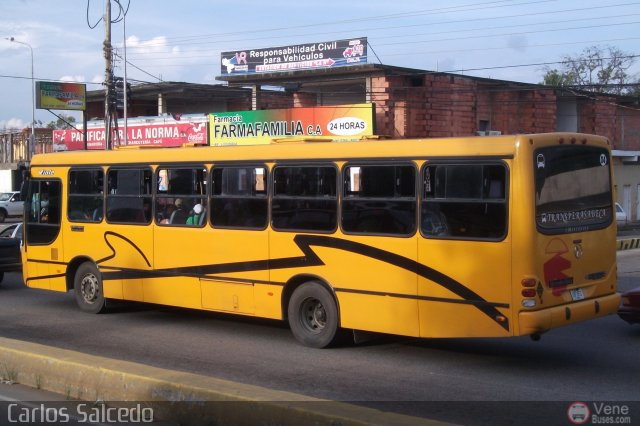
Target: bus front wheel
[[313, 316], [88, 289]]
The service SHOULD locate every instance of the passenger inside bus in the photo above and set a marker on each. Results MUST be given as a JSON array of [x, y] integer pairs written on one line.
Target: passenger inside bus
[[180, 215], [196, 215]]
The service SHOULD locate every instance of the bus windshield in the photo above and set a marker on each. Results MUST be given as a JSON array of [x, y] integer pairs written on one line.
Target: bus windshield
[[573, 189]]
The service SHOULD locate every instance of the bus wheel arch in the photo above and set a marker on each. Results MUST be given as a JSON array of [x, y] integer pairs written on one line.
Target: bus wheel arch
[[312, 310], [88, 289], [72, 268]]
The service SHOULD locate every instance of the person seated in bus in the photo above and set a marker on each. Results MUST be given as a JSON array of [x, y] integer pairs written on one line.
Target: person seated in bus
[[194, 217], [434, 222], [166, 214], [179, 216]]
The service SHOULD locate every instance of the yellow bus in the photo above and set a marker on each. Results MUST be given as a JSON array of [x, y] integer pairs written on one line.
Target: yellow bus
[[454, 237]]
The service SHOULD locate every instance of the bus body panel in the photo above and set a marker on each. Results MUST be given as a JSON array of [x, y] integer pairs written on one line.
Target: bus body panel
[[44, 262], [469, 280], [535, 322], [574, 272], [128, 251], [372, 277], [412, 285]]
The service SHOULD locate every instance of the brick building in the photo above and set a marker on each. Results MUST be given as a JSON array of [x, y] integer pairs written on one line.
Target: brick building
[[416, 104], [412, 103]]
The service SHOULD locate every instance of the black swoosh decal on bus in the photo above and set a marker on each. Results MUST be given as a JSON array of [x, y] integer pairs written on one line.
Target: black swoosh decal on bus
[[310, 258], [113, 250]]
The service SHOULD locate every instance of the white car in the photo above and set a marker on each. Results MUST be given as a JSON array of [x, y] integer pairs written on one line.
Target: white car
[[621, 215], [10, 205]]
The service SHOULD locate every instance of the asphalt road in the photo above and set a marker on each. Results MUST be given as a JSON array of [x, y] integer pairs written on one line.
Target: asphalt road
[[591, 361]]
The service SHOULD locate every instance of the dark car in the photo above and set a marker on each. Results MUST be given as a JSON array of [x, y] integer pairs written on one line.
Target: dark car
[[630, 309], [10, 242]]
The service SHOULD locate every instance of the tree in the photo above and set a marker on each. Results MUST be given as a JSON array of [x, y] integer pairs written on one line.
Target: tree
[[596, 69], [63, 122]]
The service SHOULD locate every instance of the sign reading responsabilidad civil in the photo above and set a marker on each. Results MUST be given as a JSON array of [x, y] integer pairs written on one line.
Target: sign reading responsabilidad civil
[[336, 122], [326, 54], [67, 96]]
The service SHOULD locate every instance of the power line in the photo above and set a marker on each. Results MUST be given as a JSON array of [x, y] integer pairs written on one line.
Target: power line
[[368, 29], [508, 34], [18, 77], [424, 12], [138, 68], [514, 47]]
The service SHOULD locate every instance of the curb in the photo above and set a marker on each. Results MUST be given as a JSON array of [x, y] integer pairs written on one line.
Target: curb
[[93, 378], [628, 243]]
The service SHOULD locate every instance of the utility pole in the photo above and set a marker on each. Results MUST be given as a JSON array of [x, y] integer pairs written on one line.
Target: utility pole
[[108, 76], [124, 82]]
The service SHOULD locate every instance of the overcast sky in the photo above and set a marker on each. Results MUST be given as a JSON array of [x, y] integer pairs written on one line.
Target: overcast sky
[[182, 40]]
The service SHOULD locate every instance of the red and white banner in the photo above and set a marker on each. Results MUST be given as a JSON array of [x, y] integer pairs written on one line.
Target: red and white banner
[[161, 134]]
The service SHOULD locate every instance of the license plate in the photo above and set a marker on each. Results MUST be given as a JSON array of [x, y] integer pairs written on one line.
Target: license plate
[[577, 294]]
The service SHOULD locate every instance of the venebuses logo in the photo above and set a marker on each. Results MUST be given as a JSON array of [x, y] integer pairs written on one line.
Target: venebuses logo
[[578, 413]]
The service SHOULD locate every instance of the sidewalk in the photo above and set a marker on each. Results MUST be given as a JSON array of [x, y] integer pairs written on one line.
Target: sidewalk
[[176, 396]]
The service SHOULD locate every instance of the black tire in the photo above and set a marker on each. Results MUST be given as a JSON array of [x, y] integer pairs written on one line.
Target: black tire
[[1, 276], [87, 286], [3, 215], [313, 316]]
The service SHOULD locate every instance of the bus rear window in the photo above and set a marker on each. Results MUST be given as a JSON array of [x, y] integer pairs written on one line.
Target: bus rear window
[[573, 189]]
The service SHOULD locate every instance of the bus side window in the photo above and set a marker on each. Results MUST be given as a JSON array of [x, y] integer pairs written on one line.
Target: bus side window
[[464, 201], [181, 196], [379, 199], [239, 197], [85, 201], [129, 196], [44, 204], [305, 198]]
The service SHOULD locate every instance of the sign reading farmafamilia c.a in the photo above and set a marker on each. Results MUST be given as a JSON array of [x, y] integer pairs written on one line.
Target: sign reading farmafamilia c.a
[[337, 122]]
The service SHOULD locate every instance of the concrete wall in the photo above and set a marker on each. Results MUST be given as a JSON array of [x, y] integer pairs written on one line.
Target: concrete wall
[[628, 174], [5, 180]]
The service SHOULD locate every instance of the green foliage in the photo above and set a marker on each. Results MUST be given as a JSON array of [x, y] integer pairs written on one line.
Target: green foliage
[[596, 69], [61, 124]]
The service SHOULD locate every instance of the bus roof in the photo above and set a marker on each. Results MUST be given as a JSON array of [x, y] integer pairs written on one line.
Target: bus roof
[[481, 146]]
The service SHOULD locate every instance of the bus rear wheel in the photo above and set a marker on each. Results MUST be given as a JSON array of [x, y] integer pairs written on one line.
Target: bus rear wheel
[[88, 289], [313, 316]]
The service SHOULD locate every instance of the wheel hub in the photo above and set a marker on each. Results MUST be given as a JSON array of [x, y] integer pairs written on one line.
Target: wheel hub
[[314, 316], [90, 288]]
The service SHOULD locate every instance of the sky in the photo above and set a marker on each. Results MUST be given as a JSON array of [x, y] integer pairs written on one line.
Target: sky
[[183, 40]]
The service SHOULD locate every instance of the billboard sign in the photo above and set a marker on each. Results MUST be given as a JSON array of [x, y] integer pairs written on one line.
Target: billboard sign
[[338, 122], [66, 96], [157, 134], [323, 55]]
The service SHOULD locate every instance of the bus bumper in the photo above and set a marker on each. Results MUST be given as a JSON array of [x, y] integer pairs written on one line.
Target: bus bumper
[[545, 319]]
